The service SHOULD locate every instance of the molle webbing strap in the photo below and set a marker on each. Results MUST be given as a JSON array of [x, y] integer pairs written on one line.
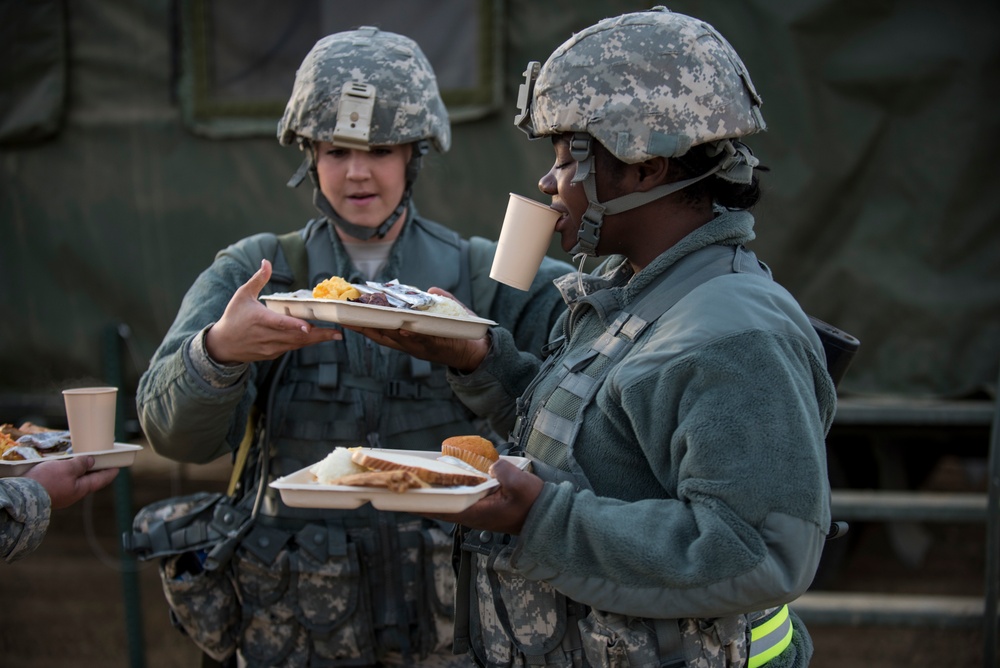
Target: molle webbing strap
[[463, 600], [560, 416], [670, 645]]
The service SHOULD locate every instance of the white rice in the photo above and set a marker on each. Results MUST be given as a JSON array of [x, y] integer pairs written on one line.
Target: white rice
[[445, 306], [337, 464]]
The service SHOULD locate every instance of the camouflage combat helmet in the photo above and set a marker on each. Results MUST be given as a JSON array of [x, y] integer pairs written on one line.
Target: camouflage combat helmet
[[362, 88], [643, 84], [366, 87]]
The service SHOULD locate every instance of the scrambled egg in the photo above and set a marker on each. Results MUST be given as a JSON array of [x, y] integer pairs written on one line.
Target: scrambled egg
[[335, 287]]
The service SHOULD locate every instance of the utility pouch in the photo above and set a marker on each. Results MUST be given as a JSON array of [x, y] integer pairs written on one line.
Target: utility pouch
[[203, 604], [532, 622], [838, 346], [616, 641], [174, 526], [194, 536]]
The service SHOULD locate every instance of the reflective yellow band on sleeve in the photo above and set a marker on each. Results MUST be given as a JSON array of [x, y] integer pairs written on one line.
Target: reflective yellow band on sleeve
[[770, 638]]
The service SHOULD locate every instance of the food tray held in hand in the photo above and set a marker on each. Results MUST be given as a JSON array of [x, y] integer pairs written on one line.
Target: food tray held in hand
[[302, 490], [357, 314], [122, 455]]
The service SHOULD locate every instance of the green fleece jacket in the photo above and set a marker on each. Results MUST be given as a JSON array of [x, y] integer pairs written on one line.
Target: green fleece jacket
[[704, 447]]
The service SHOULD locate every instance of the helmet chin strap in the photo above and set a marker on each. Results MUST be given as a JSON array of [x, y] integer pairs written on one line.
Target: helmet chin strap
[[360, 232], [323, 205], [736, 165]]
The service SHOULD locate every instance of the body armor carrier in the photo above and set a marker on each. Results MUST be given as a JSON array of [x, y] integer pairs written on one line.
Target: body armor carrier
[[318, 586]]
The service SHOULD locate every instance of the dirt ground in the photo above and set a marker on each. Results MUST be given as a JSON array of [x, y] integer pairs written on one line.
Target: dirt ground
[[64, 604]]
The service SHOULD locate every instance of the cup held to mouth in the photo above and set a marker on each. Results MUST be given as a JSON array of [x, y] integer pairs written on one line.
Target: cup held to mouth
[[524, 238]]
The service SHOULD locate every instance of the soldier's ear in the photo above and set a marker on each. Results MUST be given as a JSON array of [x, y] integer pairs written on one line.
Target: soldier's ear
[[651, 173]]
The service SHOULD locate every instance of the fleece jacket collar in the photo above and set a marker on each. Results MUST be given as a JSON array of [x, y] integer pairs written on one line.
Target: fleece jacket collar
[[613, 285]]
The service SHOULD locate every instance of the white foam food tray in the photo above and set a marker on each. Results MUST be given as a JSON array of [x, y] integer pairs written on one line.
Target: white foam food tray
[[122, 455], [302, 490], [357, 314]]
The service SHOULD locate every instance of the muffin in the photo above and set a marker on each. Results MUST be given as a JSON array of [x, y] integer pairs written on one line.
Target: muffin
[[474, 450]]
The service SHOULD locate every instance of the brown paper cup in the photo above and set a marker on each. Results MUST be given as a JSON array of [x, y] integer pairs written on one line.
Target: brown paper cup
[[90, 412], [525, 236]]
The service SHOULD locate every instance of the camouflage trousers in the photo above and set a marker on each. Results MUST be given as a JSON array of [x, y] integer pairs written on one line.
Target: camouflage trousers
[[325, 596]]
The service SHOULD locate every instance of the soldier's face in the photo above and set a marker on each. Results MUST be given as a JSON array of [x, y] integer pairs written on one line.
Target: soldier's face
[[569, 198], [362, 186]]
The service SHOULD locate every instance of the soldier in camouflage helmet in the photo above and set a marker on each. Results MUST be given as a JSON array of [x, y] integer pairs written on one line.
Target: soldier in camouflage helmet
[[308, 586], [678, 496], [688, 89], [361, 89]]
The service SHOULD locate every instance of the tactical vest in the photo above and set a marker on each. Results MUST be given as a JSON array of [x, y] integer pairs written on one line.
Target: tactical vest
[[357, 580], [525, 622], [354, 392]]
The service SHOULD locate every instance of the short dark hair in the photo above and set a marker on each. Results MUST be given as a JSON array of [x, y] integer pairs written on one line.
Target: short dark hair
[[691, 164], [723, 193]]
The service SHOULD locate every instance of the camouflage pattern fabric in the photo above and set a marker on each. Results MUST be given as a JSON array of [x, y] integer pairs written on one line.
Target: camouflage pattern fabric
[[204, 604], [25, 509], [408, 105], [531, 625], [298, 610], [646, 84], [533, 621], [618, 641], [723, 642], [299, 607]]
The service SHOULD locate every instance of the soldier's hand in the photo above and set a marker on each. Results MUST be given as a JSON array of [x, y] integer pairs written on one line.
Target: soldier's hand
[[69, 480], [248, 331], [463, 354], [506, 509]]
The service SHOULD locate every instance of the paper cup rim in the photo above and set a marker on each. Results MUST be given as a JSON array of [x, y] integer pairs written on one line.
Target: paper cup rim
[[90, 390], [528, 200]]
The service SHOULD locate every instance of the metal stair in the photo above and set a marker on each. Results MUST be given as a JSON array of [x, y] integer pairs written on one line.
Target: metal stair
[[907, 509]]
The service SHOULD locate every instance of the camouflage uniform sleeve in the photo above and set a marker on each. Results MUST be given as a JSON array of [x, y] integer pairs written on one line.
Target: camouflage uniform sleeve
[[25, 509], [189, 415]]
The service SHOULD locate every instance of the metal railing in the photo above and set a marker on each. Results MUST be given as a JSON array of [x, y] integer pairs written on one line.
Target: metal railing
[[895, 506]]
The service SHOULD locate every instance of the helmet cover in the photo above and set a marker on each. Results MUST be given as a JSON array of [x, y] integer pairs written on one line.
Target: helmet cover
[[644, 84], [407, 104]]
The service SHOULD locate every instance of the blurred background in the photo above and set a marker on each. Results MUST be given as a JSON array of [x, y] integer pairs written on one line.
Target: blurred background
[[137, 138]]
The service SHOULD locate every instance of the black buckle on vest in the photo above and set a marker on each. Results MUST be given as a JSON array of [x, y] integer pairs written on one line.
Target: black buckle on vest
[[553, 346], [403, 389]]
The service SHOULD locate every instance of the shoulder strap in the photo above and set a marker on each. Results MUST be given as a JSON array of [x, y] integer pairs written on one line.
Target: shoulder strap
[[294, 248], [558, 416], [714, 261], [242, 454], [465, 274], [484, 289]]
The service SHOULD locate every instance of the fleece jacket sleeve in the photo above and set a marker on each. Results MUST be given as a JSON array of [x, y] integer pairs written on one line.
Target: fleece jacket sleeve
[[491, 391]]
